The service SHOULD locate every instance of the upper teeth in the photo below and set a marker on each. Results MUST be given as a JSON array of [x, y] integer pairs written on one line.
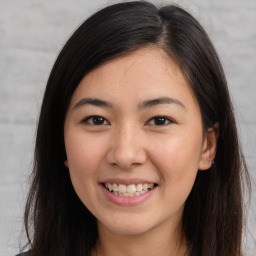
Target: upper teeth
[[121, 188]]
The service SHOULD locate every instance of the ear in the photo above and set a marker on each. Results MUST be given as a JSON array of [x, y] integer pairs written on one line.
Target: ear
[[66, 163], [209, 147]]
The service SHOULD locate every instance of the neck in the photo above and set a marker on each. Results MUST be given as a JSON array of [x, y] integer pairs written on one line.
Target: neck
[[162, 240]]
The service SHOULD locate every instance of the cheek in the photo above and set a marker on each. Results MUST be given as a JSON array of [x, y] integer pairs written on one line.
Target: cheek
[[177, 160], [84, 156], [176, 151]]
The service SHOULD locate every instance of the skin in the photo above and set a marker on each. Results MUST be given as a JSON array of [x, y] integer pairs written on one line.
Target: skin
[[128, 144]]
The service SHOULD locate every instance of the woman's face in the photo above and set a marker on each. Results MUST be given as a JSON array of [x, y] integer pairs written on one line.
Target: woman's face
[[134, 127]]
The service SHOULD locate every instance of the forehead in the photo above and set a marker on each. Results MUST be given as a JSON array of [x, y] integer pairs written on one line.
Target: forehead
[[145, 73]]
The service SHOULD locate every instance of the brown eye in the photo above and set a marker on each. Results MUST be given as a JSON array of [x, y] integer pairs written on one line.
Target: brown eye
[[159, 121], [96, 120]]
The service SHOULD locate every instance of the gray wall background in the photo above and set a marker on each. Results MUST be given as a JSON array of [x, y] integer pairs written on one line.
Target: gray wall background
[[32, 33]]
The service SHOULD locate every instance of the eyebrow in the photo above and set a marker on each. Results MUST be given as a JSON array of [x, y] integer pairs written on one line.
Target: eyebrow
[[159, 101], [145, 104], [94, 102]]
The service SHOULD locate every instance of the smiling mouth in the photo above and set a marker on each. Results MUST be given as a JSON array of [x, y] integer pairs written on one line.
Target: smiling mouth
[[129, 190]]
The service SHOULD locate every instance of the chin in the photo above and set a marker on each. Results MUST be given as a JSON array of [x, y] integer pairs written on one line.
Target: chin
[[129, 231], [127, 228]]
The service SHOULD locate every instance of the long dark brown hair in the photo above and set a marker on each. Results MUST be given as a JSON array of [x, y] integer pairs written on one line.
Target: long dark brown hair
[[56, 221]]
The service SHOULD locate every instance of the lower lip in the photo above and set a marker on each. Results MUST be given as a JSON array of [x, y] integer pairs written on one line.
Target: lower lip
[[129, 200]]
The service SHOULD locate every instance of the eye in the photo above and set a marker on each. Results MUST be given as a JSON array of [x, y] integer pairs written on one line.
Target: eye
[[96, 120], [159, 121]]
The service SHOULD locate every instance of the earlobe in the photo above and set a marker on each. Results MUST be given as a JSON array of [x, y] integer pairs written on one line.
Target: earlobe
[[209, 147], [66, 163]]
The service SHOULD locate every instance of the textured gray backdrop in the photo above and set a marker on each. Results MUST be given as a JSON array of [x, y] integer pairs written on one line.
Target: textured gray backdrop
[[32, 33]]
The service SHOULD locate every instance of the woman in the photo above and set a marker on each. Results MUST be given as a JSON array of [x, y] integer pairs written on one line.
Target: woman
[[137, 151]]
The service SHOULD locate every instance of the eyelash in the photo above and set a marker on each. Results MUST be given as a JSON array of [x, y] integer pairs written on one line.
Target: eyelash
[[90, 120], [163, 118]]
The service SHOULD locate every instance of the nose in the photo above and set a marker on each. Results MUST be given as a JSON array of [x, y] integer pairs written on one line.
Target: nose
[[127, 148]]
